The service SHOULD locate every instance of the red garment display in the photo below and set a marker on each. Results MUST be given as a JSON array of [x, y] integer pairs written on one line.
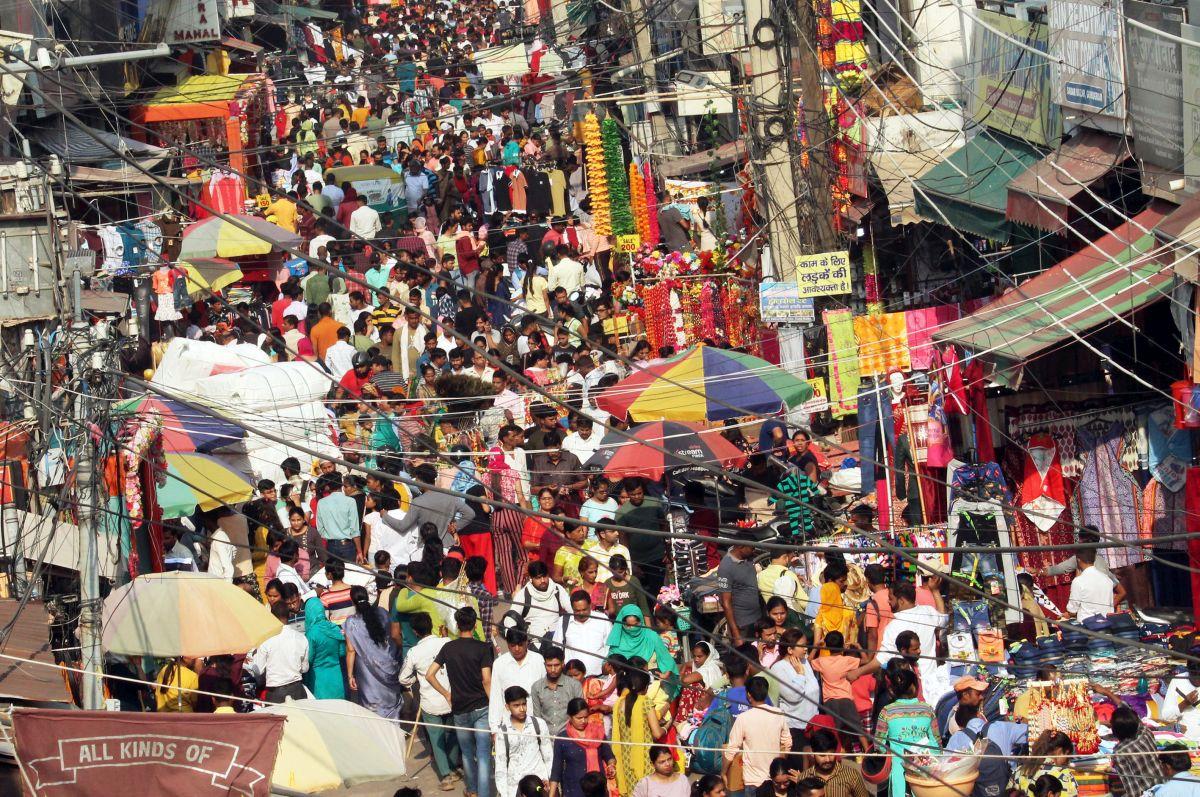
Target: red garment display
[[985, 448], [952, 377], [1046, 493]]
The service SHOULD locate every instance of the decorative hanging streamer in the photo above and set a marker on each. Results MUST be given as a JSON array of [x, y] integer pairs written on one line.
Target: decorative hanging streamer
[[637, 195], [597, 180], [651, 206], [620, 208], [843, 362]]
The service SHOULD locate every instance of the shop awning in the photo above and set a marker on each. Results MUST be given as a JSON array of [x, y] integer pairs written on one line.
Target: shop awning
[[196, 97], [1087, 289], [232, 43], [77, 143], [896, 172], [1042, 196], [969, 189]]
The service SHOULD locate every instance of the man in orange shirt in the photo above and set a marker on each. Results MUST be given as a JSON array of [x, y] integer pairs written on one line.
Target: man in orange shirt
[[324, 333]]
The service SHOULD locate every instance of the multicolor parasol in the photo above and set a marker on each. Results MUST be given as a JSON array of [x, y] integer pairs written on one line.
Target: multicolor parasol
[[198, 480], [688, 444], [705, 384], [183, 614], [184, 429], [216, 237], [210, 274]]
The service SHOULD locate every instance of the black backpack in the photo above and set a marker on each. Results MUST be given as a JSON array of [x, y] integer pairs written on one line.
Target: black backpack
[[994, 771]]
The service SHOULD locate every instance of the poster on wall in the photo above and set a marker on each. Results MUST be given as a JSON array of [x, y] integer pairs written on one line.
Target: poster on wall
[[824, 274], [1085, 48], [1155, 93], [1013, 89], [781, 303]]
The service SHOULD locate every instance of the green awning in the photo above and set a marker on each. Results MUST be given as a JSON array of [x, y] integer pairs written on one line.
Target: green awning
[[970, 187], [1087, 289]]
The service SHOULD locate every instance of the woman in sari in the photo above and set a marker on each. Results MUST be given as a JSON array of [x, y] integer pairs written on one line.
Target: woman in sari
[[475, 535], [635, 722], [326, 653], [372, 658]]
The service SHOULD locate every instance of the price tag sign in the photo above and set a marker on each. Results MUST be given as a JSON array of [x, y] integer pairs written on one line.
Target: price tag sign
[[629, 243], [263, 200]]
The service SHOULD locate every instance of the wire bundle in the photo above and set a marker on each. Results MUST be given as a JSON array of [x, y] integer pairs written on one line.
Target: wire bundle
[[597, 178]]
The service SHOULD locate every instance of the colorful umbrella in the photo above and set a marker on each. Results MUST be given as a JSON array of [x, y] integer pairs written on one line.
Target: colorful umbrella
[[705, 384], [216, 237], [184, 429], [210, 274], [183, 614], [330, 743], [198, 480], [686, 444]]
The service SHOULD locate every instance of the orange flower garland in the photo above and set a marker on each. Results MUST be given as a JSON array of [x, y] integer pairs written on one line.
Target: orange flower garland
[[597, 182], [637, 195]]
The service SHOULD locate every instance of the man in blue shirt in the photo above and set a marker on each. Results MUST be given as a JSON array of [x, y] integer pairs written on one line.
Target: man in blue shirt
[[339, 524], [1008, 736], [1180, 782]]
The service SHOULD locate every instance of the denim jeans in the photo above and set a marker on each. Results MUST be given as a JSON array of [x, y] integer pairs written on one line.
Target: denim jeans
[[869, 405], [443, 743], [475, 742], [341, 549]]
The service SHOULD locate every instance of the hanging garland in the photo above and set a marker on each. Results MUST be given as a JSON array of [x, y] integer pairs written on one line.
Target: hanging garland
[[620, 209], [597, 181], [637, 195], [651, 207]]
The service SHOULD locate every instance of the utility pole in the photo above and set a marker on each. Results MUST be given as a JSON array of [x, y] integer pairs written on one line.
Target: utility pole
[[796, 223]]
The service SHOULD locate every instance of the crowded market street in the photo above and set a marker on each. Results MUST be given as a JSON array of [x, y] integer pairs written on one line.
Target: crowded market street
[[559, 398]]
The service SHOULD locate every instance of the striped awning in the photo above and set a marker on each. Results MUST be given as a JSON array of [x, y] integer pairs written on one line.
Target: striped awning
[[1086, 290]]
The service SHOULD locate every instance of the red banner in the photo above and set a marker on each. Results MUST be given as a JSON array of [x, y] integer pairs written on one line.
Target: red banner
[[84, 753]]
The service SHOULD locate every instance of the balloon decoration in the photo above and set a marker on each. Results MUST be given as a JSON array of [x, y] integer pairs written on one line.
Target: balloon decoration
[[652, 238], [597, 179], [620, 210], [637, 195]]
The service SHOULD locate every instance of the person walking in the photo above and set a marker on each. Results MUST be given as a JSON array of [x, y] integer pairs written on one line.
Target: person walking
[[665, 779], [524, 744], [584, 750], [326, 676], [759, 735], [903, 724], [468, 665], [372, 657], [436, 714]]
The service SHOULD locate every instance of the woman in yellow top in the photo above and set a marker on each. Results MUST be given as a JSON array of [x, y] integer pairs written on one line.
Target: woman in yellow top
[[177, 682], [1050, 755], [833, 614], [634, 721]]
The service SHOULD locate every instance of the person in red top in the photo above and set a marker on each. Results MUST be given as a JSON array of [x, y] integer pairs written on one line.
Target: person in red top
[[350, 203], [356, 379]]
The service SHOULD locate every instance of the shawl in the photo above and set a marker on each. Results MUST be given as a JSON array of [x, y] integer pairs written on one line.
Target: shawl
[[710, 670], [590, 739], [317, 626], [464, 475], [639, 641]]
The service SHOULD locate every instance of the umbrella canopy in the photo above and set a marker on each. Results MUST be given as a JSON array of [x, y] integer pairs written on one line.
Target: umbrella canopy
[[328, 744], [210, 274], [216, 237], [356, 174], [197, 480], [184, 614], [705, 384], [688, 444], [184, 429]]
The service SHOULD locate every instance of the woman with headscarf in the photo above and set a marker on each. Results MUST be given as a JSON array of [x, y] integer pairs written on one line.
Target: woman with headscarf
[[584, 750], [421, 230], [633, 639], [326, 677], [702, 674], [372, 658]]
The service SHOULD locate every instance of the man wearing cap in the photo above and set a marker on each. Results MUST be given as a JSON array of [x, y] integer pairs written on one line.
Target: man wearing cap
[[970, 691]]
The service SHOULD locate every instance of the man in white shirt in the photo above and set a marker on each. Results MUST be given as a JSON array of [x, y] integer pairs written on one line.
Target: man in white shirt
[[1092, 592], [584, 635], [566, 273], [281, 661], [924, 621], [583, 442], [520, 666], [435, 708], [524, 745], [364, 222], [339, 358], [289, 555]]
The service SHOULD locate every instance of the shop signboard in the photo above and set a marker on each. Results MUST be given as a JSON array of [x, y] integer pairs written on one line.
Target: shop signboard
[[1155, 94], [781, 303], [1013, 89], [824, 274], [1085, 48]]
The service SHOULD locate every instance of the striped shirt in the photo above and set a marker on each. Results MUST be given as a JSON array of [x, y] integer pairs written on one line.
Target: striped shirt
[[385, 316], [844, 781], [800, 491], [1136, 763]]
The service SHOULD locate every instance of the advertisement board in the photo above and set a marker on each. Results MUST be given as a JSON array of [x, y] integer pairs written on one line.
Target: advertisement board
[[1155, 93], [781, 303], [1191, 107], [824, 274], [1085, 48], [1013, 88]]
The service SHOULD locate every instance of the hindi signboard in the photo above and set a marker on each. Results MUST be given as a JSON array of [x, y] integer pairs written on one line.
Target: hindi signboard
[[824, 274], [84, 753], [1155, 93], [781, 303], [1191, 106]]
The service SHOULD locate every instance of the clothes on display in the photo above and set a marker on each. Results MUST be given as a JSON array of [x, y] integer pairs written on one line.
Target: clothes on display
[[982, 523], [1108, 496]]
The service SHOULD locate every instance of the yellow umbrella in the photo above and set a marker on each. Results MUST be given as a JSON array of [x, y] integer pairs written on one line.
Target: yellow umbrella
[[198, 480], [183, 614], [328, 744], [210, 274]]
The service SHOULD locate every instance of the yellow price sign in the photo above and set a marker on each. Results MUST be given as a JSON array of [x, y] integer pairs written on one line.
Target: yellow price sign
[[263, 200], [629, 243]]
